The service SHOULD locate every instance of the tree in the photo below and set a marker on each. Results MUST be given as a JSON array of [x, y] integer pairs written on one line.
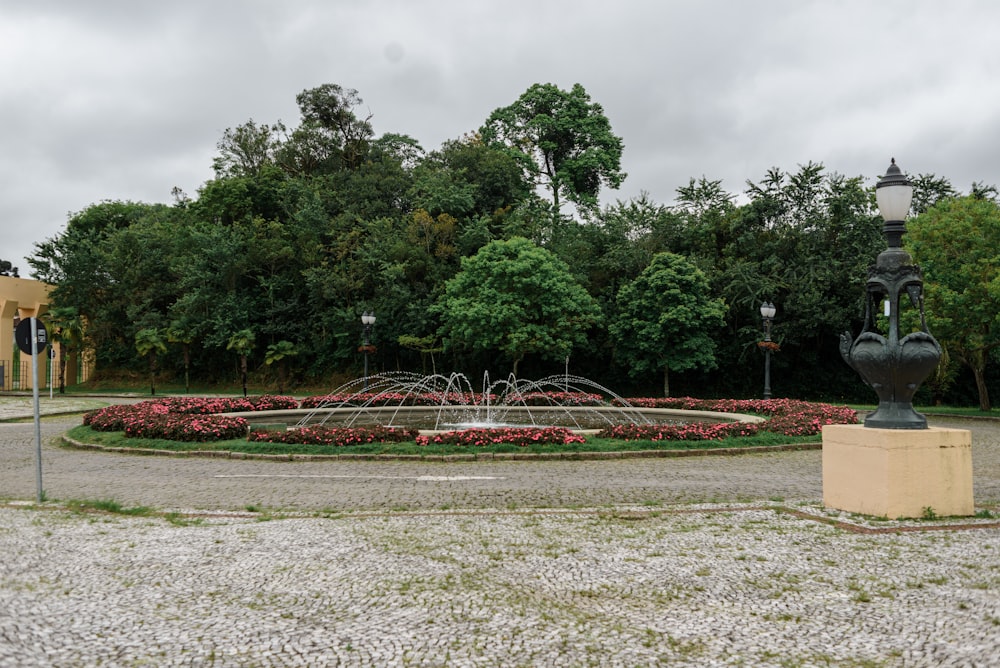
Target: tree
[[247, 149], [8, 269], [425, 345], [278, 353], [149, 343], [67, 331], [180, 332], [331, 109], [957, 244], [242, 343], [518, 298], [563, 142], [666, 317]]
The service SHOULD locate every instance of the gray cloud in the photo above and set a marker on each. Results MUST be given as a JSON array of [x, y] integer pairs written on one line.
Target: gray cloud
[[125, 100]]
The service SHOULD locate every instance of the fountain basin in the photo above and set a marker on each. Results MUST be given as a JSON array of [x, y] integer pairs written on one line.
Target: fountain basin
[[436, 419]]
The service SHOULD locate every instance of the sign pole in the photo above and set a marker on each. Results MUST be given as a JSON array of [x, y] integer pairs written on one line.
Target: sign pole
[[38, 419]]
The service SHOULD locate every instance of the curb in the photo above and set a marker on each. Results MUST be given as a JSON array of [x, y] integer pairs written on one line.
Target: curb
[[460, 457]]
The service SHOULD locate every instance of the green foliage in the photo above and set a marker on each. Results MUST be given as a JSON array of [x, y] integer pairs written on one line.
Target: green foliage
[[666, 318], [66, 329], [242, 342], [517, 298], [149, 342], [304, 227], [957, 244], [562, 141]]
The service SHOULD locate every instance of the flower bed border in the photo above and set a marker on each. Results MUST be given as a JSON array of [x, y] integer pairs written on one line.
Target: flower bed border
[[186, 419]]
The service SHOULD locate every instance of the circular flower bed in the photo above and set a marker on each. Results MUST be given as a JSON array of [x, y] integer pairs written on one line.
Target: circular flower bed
[[204, 420], [184, 418], [789, 417]]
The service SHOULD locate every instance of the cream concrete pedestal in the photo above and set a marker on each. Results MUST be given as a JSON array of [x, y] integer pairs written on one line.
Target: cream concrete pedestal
[[897, 472]]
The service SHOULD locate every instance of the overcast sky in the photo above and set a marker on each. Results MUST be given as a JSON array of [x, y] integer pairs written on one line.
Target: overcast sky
[[106, 100]]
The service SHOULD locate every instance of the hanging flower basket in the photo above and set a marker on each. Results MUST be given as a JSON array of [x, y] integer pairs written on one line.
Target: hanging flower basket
[[769, 345]]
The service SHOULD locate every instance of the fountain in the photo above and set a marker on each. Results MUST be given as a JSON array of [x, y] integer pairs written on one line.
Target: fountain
[[449, 403]]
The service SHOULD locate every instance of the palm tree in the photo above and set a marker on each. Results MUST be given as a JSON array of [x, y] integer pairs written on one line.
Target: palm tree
[[242, 343], [177, 333], [67, 331], [149, 342], [278, 353]]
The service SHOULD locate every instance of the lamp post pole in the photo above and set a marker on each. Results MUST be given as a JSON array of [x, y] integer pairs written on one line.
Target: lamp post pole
[[767, 312], [367, 319]]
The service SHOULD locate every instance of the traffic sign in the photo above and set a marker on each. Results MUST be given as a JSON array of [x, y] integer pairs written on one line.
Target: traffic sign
[[22, 335]]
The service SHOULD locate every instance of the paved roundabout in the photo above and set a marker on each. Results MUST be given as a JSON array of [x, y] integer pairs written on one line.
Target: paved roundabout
[[694, 561]]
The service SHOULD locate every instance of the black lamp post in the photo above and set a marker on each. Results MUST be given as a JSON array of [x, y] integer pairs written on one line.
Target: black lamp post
[[892, 365], [767, 312], [367, 319]]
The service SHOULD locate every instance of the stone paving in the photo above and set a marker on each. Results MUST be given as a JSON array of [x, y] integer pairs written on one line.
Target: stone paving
[[705, 561]]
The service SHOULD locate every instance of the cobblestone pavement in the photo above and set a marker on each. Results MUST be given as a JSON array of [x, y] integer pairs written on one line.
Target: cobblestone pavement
[[567, 563]]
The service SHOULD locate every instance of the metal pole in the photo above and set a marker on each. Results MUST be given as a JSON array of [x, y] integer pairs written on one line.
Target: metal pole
[[767, 373], [38, 420], [367, 330], [767, 359]]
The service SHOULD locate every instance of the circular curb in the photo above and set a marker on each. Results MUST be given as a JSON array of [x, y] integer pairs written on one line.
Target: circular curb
[[458, 457]]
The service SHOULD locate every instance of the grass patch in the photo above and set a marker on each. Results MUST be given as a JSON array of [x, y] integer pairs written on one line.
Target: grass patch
[[107, 506], [119, 440]]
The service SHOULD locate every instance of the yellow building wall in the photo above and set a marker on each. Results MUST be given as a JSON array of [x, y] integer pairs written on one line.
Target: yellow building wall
[[23, 298]]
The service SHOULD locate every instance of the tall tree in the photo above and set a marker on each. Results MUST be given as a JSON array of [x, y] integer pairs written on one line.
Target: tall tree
[[330, 108], [665, 319], [563, 142], [517, 298], [247, 149], [957, 244]]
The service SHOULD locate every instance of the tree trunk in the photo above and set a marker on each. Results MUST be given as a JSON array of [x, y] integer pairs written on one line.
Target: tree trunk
[[243, 373], [984, 395], [666, 381], [152, 375], [62, 368]]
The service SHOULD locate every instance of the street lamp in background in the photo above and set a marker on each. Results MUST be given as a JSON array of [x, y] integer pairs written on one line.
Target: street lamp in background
[[894, 366], [767, 312], [367, 319]]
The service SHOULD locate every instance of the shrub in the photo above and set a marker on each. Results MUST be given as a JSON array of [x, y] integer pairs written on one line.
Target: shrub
[[180, 427], [790, 417], [521, 436], [335, 436]]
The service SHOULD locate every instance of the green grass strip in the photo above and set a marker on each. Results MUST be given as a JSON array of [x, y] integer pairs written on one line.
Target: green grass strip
[[118, 440]]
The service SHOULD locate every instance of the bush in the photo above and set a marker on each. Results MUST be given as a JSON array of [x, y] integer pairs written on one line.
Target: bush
[[180, 427], [520, 436], [789, 417], [335, 436], [208, 406]]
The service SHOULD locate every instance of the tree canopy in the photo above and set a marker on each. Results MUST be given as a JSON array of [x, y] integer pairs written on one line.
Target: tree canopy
[[518, 298], [304, 227], [562, 140], [666, 319], [957, 244]]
